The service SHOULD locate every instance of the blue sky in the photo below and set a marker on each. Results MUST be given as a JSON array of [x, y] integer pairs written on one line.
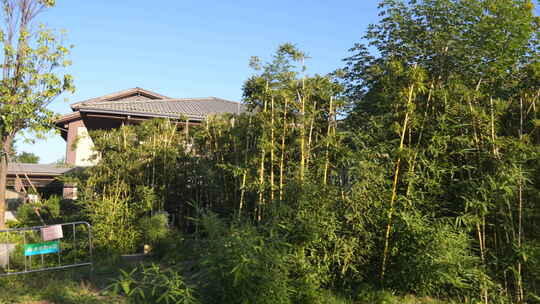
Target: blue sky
[[183, 48]]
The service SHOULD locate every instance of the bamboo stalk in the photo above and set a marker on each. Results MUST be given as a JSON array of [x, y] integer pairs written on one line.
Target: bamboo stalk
[[520, 295], [236, 154], [394, 186], [261, 186], [261, 173], [272, 152], [328, 133], [475, 131], [494, 146], [282, 161], [242, 193], [310, 136], [480, 242], [483, 292], [302, 136], [480, 227], [246, 165], [412, 161]]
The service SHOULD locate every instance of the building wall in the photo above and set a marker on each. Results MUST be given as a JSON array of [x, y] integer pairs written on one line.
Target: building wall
[[79, 145], [84, 150]]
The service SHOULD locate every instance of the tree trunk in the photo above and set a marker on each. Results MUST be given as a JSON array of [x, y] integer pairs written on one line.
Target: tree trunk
[[6, 149]]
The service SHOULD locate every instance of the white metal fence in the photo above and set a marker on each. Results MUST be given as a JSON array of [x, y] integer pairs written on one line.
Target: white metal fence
[[42, 248]]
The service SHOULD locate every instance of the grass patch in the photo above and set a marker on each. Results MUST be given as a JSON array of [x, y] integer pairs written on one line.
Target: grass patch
[[61, 286]]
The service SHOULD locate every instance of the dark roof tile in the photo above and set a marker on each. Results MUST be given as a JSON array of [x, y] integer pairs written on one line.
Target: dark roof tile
[[193, 108], [37, 169], [129, 94]]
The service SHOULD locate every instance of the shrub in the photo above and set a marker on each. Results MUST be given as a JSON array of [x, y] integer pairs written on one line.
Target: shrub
[[241, 265], [435, 258], [49, 209], [171, 248], [53, 210], [113, 222], [151, 284], [154, 228]]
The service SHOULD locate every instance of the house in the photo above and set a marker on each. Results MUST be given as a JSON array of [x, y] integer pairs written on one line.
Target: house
[[108, 112], [27, 177], [23, 178], [128, 107], [40, 176]]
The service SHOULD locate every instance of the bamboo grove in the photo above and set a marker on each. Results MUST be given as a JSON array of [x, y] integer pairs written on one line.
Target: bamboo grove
[[415, 169]]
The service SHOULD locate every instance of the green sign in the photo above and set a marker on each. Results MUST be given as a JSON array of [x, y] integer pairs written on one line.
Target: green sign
[[41, 248]]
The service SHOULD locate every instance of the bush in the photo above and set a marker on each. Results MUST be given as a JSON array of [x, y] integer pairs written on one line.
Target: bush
[[434, 257], [49, 209], [113, 223], [154, 228], [171, 248], [53, 210], [241, 265], [151, 284], [368, 295], [330, 247]]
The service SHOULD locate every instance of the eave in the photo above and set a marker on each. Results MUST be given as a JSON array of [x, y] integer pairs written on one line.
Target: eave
[[128, 114], [67, 118]]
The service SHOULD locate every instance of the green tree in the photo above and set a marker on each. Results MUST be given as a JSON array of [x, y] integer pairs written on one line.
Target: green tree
[[30, 59], [447, 107], [27, 157]]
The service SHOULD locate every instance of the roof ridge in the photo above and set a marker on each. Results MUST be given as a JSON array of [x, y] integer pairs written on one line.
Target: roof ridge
[[194, 108], [202, 99], [108, 102], [210, 98], [38, 168], [226, 100], [189, 99], [120, 94]]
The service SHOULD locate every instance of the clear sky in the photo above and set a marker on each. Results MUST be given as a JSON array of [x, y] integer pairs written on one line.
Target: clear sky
[[187, 48]]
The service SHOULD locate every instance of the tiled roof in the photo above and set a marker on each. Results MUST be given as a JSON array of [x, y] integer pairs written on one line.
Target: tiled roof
[[68, 117], [134, 93], [192, 108], [37, 169], [144, 103]]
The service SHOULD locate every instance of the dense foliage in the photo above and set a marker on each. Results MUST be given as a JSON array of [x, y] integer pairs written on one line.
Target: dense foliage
[[415, 168], [449, 109], [26, 157]]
